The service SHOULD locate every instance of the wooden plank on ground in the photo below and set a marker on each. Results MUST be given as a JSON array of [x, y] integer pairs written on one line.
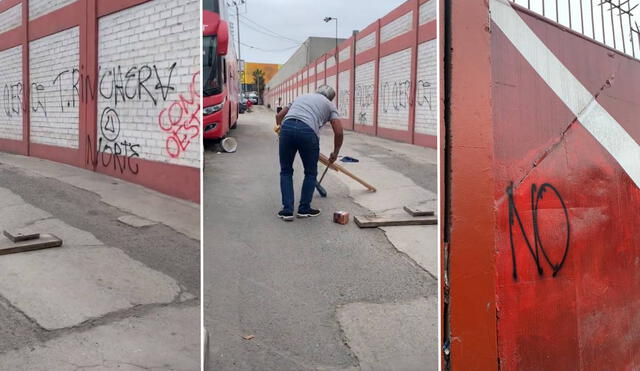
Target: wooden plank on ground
[[418, 211], [373, 221], [17, 236], [44, 242]]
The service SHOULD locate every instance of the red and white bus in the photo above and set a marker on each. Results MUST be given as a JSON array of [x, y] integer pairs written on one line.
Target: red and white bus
[[220, 76]]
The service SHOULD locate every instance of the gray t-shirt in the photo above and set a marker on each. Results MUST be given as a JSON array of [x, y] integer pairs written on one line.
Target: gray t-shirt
[[313, 109]]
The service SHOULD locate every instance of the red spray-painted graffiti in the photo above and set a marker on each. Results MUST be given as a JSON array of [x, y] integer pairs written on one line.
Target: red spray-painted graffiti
[[182, 120]]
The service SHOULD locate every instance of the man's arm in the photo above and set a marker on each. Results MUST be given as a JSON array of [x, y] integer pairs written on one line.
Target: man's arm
[[280, 115], [338, 137]]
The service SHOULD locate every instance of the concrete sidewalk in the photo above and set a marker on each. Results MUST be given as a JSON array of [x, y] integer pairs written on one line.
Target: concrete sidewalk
[[181, 215], [114, 296]]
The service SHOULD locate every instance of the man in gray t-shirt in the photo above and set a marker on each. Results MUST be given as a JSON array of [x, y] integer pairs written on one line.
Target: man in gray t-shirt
[[299, 132]]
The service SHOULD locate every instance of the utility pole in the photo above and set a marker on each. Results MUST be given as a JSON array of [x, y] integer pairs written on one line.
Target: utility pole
[[235, 3]]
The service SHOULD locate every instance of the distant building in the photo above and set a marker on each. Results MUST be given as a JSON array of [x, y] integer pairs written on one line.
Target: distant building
[[309, 51], [248, 80]]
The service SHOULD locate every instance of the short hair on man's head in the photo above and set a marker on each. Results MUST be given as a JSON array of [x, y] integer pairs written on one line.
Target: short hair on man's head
[[327, 91]]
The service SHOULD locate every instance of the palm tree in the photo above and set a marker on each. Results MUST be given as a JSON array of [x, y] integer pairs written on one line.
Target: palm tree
[[258, 79]]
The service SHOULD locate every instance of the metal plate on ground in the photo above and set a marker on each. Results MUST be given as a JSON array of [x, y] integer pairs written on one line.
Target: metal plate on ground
[[44, 242], [373, 221]]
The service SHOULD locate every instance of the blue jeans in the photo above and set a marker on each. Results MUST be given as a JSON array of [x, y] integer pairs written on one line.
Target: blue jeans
[[296, 136]]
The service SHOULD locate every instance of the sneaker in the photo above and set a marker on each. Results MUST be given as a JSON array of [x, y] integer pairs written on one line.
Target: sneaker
[[308, 213], [285, 215]]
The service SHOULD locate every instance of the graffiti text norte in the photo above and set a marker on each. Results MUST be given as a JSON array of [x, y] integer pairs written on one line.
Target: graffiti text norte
[[535, 245]]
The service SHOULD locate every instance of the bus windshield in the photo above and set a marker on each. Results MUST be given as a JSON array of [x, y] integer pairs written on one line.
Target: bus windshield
[[211, 65], [211, 5]]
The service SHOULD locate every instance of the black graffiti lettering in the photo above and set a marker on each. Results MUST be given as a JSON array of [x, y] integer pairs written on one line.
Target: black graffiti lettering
[[141, 82], [59, 78], [135, 84], [36, 102], [362, 118], [118, 86], [131, 76], [6, 96], [395, 95], [537, 194], [102, 77], [343, 102], [103, 151], [133, 148], [75, 80], [424, 93], [89, 89], [168, 86], [12, 99], [112, 153], [363, 101], [384, 97]]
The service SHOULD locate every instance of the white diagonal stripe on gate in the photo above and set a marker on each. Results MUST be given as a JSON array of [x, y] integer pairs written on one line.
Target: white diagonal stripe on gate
[[602, 126]]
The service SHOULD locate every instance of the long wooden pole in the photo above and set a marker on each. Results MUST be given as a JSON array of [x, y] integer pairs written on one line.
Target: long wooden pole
[[324, 160]]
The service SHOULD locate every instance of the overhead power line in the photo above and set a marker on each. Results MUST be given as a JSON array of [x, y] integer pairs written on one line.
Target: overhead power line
[[268, 34], [269, 50], [266, 29]]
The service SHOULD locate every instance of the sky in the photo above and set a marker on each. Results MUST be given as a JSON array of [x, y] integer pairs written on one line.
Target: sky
[[295, 20], [581, 15]]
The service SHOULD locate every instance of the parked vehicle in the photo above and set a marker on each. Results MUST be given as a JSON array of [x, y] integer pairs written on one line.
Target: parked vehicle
[[253, 98], [221, 83], [242, 105]]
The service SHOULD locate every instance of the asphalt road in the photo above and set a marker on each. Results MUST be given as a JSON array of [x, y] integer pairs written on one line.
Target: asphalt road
[[157, 247], [283, 282]]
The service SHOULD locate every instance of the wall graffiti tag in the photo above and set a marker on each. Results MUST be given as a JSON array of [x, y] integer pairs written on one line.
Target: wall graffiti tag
[[363, 101], [182, 120], [343, 102], [395, 95], [12, 100], [424, 94], [111, 152], [537, 247]]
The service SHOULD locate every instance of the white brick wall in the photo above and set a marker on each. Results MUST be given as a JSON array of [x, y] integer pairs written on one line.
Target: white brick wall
[[11, 18], [345, 54], [366, 43], [427, 12], [320, 67], [331, 81], [426, 97], [312, 72], [393, 103], [364, 94], [344, 93], [331, 61], [397, 27], [11, 85], [39, 8], [53, 65], [136, 42]]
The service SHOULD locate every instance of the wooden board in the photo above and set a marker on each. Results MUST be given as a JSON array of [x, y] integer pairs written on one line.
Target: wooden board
[[17, 237], [372, 221], [418, 211], [44, 242], [324, 160]]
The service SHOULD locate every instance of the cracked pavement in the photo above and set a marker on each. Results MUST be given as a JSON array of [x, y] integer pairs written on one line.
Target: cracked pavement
[[113, 296], [317, 295]]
